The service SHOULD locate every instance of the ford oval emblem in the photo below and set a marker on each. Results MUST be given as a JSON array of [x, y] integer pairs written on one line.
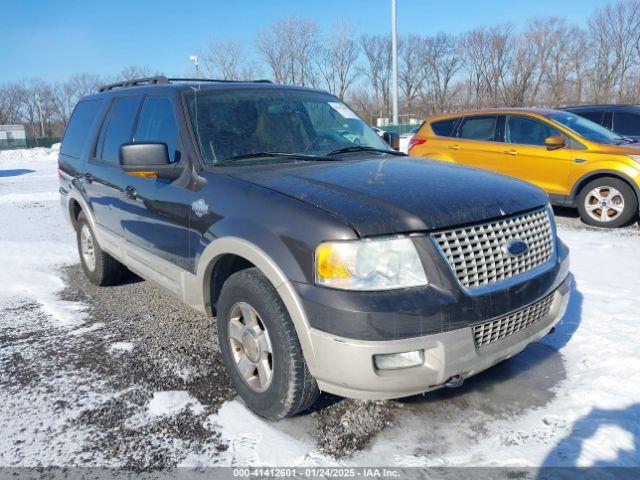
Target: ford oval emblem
[[515, 248]]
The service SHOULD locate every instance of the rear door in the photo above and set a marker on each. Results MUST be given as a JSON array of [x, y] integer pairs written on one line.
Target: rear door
[[525, 155], [105, 179], [475, 143], [157, 218]]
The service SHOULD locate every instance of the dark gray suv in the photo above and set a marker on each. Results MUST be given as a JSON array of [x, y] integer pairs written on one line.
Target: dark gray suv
[[331, 261]]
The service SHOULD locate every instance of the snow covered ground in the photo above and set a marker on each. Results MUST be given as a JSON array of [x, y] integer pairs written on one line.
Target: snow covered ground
[[572, 399]]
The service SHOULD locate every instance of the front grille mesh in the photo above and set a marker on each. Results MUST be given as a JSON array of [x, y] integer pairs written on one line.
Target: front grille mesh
[[494, 330], [477, 254]]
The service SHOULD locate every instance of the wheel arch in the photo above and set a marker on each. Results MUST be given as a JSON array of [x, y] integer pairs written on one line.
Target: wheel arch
[[582, 181], [224, 255]]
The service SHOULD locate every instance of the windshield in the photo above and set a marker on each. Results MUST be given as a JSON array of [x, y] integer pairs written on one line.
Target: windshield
[[238, 123], [586, 128]]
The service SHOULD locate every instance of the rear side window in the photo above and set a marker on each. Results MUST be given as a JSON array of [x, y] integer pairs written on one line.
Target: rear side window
[[120, 128], [593, 115], [626, 123], [444, 128], [78, 127], [481, 127], [158, 124]]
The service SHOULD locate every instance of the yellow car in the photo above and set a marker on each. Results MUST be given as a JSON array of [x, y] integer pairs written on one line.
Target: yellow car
[[577, 162]]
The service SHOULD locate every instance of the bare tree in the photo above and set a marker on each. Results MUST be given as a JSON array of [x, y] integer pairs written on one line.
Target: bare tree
[[224, 59], [290, 47], [441, 61], [411, 74], [337, 59], [377, 53]]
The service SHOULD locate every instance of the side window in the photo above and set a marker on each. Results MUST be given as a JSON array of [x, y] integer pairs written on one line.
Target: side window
[[523, 130], [593, 115], [626, 123], [158, 124], [78, 127], [479, 127], [97, 149], [120, 128], [444, 128]]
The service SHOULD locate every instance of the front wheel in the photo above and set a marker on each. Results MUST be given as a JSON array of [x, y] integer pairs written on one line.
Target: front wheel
[[607, 202], [260, 347]]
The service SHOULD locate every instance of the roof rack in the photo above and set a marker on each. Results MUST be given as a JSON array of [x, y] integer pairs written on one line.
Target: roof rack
[[161, 79], [135, 83], [216, 80]]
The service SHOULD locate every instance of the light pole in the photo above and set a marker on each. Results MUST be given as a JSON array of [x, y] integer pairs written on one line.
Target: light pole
[[194, 59], [394, 63]]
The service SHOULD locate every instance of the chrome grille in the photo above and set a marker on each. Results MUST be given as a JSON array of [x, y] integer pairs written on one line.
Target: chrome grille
[[478, 255], [502, 327]]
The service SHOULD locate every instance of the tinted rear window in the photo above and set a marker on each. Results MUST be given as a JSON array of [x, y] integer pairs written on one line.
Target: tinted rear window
[[120, 129], [444, 128], [593, 115], [626, 123], [78, 127], [479, 128]]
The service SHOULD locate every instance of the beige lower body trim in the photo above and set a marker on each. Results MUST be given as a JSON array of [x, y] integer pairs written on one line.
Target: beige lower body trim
[[345, 367]]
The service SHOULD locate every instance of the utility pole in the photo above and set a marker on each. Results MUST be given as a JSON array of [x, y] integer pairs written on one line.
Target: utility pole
[[394, 63]]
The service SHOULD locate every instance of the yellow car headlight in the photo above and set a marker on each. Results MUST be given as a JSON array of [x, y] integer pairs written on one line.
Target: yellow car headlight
[[370, 264]]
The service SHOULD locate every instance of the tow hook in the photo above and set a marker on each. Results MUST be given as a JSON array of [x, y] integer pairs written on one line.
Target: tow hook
[[454, 382]]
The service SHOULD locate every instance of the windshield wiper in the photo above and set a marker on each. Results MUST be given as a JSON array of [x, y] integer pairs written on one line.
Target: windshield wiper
[[300, 156], [363, 148]]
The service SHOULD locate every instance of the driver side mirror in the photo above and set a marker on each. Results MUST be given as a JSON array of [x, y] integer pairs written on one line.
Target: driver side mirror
[[557, 141], [393, 139], [148, 160]]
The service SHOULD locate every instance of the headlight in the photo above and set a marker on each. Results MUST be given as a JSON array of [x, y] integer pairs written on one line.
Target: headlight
[[635, 158], [381, 264]]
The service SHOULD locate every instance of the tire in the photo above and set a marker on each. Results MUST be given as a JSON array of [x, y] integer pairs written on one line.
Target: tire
[[100, 268], [245, 340], [621, 201]]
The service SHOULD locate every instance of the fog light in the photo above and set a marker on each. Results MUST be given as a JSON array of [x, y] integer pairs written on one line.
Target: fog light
[[392, 361]]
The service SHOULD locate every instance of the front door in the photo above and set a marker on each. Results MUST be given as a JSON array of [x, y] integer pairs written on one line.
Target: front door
[[156, 224], [525, 156]]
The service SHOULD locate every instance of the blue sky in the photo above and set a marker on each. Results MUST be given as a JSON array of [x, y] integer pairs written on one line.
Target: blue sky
[[55, 39]]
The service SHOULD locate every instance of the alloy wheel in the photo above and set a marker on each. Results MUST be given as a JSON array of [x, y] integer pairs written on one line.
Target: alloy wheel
[[87, 248], [604, 204], [250, 346]]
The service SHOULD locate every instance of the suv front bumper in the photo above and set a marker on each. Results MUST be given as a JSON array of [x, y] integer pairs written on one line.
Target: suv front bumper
[[345, 366]]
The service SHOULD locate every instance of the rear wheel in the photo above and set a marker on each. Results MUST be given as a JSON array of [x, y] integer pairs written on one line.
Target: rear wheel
[[99, 267], [607, 202], [260, 347]]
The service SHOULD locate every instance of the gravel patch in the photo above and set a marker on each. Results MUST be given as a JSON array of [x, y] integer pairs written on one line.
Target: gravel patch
[[349, 425]]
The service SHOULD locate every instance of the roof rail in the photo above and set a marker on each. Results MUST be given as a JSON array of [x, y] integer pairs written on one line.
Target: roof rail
[[214, 80], [135, 83], [161, 79]]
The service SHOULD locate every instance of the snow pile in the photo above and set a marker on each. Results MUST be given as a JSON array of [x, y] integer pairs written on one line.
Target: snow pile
[[171, 402], [38, 154]]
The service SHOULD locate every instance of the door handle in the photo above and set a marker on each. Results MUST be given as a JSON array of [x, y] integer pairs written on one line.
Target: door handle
[[88, 177], [131, 192], [454, 147], [510, 152]]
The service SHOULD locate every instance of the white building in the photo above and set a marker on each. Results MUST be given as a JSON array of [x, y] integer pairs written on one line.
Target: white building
[[12, 136]]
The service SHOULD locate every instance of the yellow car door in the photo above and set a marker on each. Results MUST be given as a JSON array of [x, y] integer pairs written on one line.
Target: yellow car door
[[524, 154], [475, 143]]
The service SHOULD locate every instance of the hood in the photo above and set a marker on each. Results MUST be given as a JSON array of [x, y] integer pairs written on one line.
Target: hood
[[386, 195]]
